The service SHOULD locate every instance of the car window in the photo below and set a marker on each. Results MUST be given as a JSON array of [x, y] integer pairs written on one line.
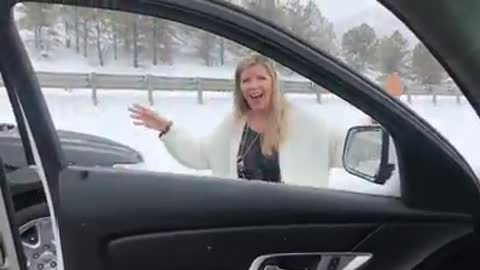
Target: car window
[[95, 66], [370, 39]]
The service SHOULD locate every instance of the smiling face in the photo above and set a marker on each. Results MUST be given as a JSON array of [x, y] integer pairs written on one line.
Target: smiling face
[[256, 86]]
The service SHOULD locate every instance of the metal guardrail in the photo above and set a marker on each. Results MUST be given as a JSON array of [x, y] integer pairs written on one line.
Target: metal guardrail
[[151, 83]]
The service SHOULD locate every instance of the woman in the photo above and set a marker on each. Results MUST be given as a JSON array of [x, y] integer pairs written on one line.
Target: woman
[[264, 138]]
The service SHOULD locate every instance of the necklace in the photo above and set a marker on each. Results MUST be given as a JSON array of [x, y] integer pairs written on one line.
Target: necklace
[[243, 152]]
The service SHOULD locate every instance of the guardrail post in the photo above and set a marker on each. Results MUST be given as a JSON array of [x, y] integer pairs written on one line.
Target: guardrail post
[[94, 88], [409, 98], [199, 91], [458, 98], [317, 91], [148, 81]]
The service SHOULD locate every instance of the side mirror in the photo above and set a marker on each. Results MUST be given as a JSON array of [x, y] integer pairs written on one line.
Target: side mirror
[[366, 153]]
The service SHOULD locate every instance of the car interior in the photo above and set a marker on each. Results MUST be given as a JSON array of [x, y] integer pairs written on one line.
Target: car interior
[[106, 218]]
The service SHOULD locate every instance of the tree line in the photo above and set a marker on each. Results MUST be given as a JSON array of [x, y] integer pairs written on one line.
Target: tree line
[[363, 49], [112, 35]]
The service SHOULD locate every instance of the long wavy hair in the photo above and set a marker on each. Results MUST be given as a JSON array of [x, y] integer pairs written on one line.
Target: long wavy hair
[[276, 128]]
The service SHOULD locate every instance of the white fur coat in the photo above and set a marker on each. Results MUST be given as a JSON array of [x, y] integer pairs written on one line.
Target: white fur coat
[[305, 157]]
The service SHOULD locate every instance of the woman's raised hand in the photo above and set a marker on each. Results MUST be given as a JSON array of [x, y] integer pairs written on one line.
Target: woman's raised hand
[[143, 116]]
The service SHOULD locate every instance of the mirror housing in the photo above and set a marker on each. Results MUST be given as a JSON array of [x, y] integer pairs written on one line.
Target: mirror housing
[[366, 153]]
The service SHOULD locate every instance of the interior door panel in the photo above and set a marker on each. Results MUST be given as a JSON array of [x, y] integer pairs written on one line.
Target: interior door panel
[[229, 248], [392, 246], [169, 221]]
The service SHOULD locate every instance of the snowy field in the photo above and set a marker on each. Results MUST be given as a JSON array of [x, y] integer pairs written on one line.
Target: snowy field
[[74, 111]]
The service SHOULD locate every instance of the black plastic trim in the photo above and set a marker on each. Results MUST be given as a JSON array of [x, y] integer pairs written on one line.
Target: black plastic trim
[[229, 248]]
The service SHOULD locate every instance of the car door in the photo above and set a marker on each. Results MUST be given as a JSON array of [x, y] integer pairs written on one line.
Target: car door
[[11, 252], [116, 219]]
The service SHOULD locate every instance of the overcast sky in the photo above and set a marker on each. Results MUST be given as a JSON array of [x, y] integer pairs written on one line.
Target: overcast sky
[[337, 9], [345, 14]]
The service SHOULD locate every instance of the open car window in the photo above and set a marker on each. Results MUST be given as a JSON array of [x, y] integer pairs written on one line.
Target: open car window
[[94, 64]]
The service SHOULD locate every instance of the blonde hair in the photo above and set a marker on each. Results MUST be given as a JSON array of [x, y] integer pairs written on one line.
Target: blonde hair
[[276, 128]]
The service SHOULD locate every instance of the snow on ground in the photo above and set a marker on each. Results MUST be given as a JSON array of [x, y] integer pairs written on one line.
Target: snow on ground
[[63, 60], [74, 111], [186, 64]]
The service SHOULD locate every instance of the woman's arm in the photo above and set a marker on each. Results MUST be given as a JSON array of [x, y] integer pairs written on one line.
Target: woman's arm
[[190, 151], [196, 152], [186, 149]]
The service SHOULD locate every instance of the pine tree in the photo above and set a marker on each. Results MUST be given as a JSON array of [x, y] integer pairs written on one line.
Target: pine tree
[[86, 17], [115, 22], [154, 26], [167, 36], [358, 46], [68, 19], [135, 41], [308, 23], [77, 30], [206, 46], [267, 9], [295, 20], [39, 18], [392, 53], [426, 67], [129, 29], [100, 19]]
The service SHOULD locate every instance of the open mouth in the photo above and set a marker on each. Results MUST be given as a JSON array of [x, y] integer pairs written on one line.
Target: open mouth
[[256, 96]]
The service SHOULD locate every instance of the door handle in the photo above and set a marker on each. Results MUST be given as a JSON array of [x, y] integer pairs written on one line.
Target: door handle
[[311, 261]]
